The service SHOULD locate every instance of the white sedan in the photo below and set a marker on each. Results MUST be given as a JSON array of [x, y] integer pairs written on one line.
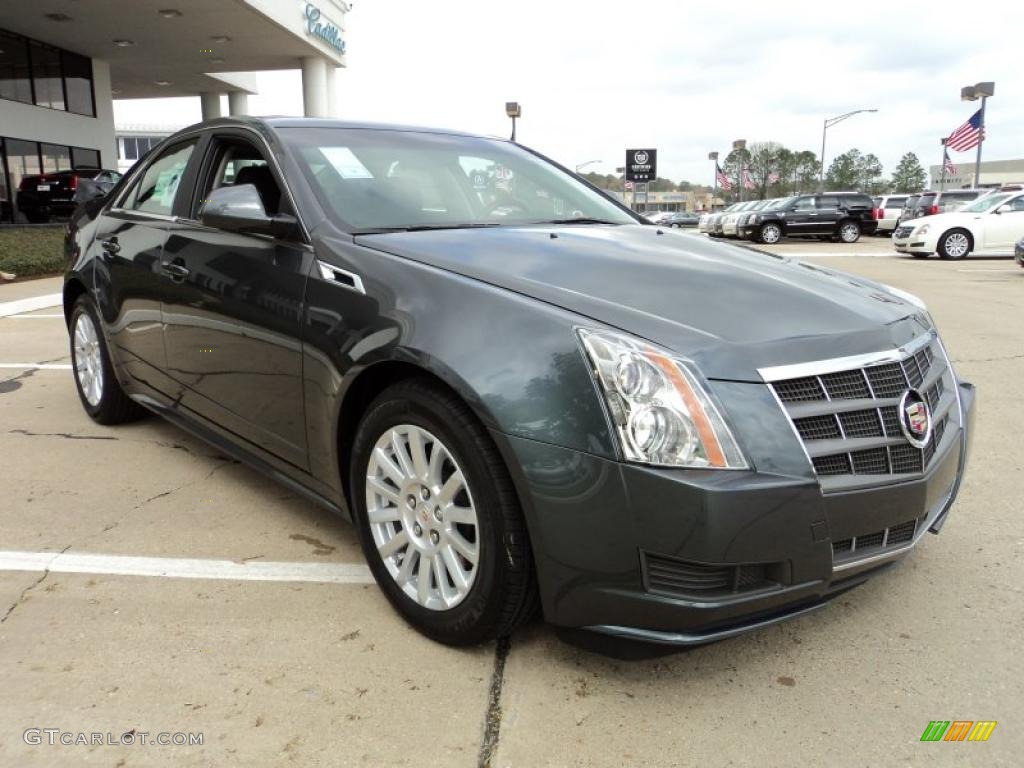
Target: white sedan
[[990, 226]]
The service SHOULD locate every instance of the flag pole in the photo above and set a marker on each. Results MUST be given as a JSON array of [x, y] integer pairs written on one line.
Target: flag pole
[[942, 182], [981, 140]]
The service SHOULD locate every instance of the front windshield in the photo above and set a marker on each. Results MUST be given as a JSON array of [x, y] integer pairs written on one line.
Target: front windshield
[[983, 204], [381, 180]]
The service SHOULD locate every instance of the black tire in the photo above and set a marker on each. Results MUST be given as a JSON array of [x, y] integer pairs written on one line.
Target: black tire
[[848, 232], [769, 233], [951, 244], [503, 595], [113, 405]]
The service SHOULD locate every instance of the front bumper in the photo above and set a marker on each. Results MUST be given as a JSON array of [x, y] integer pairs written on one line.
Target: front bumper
[[914, 244], [607, 534]]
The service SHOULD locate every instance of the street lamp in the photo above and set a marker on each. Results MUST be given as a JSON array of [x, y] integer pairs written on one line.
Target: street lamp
[[737, 146], [513, 110], [713, 157], [973, 93], [828, 124], [584, 165]]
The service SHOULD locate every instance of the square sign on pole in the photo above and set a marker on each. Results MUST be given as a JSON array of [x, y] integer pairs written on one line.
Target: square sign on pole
[[641, 164]]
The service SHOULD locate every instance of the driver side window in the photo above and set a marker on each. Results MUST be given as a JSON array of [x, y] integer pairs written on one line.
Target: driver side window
[[804, 204]]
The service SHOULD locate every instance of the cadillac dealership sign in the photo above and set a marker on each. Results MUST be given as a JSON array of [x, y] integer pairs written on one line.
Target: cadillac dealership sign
[[318, 25]]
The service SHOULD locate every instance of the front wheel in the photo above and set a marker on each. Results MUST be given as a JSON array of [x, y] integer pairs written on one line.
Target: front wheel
[[849, 232], [769, 233], [438, 517], [955, 244], [98, 388]]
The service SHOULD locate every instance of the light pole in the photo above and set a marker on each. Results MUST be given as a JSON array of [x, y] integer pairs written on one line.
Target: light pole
[[829, 122], [973, 93], [713, 157], [584, 165], [513, 110], [737, 146]]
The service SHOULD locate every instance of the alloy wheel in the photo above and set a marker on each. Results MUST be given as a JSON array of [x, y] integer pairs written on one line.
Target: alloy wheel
[[849, 233], [771, 234], [88, 359], [956, 245], [422, 517]]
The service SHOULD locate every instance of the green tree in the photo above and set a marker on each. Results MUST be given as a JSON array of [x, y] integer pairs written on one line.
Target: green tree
[[733, 167], [909, 175], [853, 170], [805, 172], [764, 161], [661, 185]]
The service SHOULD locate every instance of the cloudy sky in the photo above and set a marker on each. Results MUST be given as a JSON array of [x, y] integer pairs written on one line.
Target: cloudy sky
[[595, 77]]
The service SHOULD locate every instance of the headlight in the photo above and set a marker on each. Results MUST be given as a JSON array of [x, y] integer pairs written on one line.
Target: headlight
[[922, 230], [662, 413]]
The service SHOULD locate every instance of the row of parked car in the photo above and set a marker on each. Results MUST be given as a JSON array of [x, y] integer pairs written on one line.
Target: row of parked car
[[839, 216], [677, 219]]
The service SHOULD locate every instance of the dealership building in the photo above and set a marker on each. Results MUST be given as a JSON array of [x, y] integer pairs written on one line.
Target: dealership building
[[63, 62], [994, 173]]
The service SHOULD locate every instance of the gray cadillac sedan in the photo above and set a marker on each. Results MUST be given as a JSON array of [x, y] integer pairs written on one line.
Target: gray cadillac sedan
[[520, 393]]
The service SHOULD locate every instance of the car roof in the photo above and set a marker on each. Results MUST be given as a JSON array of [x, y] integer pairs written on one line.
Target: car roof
[[263, 124]]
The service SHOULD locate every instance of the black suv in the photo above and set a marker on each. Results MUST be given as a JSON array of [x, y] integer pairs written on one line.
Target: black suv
[[842, 216]]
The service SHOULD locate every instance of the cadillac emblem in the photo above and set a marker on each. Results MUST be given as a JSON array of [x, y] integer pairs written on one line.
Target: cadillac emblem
[[915, 418]]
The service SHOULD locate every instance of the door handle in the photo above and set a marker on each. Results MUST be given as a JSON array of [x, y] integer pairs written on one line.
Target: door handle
[[177, 272], [111, 246]]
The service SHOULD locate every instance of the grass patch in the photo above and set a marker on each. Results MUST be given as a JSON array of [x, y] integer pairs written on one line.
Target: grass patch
[[32, 251]]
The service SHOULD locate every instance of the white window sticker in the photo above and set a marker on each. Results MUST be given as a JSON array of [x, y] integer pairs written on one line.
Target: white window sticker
[[345, 163]]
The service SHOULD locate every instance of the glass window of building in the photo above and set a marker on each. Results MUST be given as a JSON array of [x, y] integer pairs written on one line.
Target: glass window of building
[[5, 198], [22, 161], [78, 84], [14, 69], [84, 158], [131, 148], [55, 158], [46, 76]]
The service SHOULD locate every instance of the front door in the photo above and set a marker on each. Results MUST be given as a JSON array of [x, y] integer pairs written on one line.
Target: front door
[[128, 247], [1002, 230], [801, 218], [232, 310]]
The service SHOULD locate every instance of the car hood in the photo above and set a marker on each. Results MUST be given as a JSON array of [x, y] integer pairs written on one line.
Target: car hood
[[730, 309], [941, 220]]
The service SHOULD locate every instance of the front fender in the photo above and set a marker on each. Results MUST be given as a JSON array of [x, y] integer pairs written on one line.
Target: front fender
[[514, 360]]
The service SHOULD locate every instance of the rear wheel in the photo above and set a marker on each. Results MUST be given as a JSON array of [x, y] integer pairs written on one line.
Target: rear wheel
[[438, 517], [955, 244], [849, 232], [769, 233], [98, 388]]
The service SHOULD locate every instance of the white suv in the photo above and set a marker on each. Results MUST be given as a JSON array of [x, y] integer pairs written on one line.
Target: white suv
[[887, 211], [990, 225]]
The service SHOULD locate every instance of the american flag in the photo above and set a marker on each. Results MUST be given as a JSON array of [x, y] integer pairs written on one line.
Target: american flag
[[947, 164], [723, 180], [748, 180], [968, 135], [773, 178]]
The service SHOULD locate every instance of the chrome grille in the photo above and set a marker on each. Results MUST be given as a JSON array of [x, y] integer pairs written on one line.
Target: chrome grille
[[902, 232], [848, 419], [876, 541]]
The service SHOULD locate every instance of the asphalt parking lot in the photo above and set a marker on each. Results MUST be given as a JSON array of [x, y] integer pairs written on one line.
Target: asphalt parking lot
[[148, 584]]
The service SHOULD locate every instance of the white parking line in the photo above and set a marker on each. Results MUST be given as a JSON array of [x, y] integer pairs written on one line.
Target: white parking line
[[184, 568], [21, 306], [34, 317], [38, 366]]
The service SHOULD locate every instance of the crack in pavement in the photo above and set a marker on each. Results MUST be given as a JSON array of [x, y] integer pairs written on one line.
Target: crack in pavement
[[492, 718], [30, 587], [66, 435]]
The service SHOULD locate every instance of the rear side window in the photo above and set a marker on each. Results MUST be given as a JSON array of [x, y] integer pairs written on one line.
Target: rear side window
[[924, 201], [156, 191], [855, 201], [959, 197], [828, 202]]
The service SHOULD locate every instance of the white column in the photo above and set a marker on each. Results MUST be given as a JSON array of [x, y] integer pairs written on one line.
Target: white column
[[238, 103], [333, 98], [314, 87], [211, 105]]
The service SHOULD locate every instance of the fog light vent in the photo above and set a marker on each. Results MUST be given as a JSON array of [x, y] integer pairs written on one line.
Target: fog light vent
[[688, 579]]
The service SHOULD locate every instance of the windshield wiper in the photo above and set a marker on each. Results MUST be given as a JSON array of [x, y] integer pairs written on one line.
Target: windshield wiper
[[427, 227], [580, 220]]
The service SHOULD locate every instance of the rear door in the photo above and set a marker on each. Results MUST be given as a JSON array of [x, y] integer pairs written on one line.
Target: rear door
[[128, 248], [233, 308], [827, 215]]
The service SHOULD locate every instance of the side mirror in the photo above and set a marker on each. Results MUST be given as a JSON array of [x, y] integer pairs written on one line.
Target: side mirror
[[240, 209], [89, 190], [1004, 209]]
